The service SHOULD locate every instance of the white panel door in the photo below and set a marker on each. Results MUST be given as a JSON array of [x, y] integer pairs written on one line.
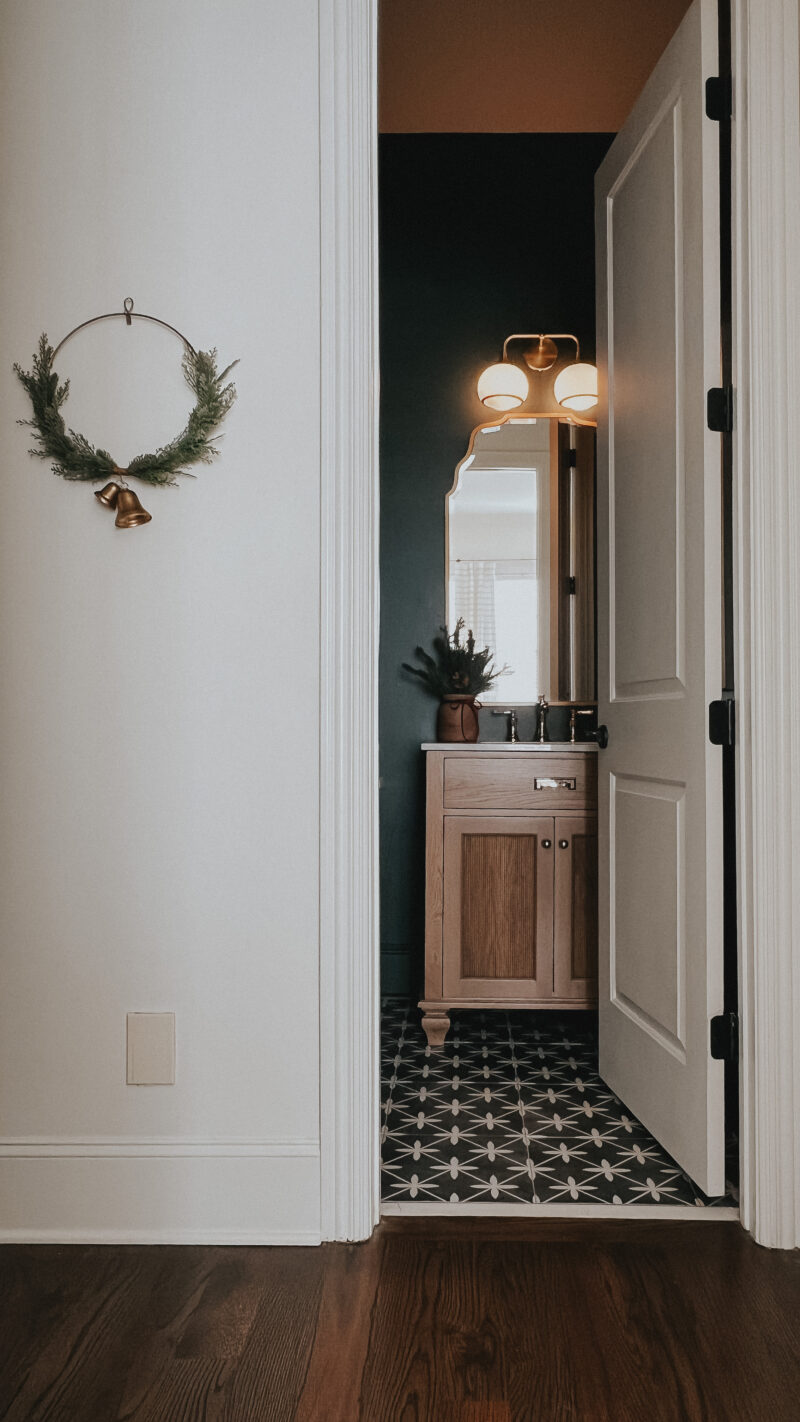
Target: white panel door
[[659, 561]]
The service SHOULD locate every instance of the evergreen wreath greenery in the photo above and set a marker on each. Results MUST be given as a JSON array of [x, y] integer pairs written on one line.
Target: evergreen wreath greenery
[[75, 458], [457, 669]]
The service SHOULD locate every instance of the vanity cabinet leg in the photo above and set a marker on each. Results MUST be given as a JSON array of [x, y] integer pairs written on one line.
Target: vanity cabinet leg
[[435, 1024]]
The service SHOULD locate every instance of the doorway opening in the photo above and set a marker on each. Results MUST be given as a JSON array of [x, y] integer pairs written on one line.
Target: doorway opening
[[483, 233]]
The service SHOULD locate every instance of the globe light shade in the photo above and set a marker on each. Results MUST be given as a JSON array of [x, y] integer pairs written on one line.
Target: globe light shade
[[575, 387], [503, 386]]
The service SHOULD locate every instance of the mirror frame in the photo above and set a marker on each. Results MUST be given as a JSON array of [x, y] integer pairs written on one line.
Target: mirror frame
[[515, 417]]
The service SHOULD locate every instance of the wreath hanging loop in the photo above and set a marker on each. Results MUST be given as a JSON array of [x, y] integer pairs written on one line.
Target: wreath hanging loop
[[72, 454]]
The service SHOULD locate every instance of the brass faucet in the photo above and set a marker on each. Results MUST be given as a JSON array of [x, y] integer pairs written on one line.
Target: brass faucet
[[573, 715], [512, 724], [544, 707]]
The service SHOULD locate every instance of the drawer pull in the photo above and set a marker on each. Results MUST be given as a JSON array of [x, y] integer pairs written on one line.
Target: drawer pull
[[546, 782], [546, 843]]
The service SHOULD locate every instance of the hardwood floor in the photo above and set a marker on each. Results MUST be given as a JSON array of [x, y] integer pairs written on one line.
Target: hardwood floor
[[431, 1321]]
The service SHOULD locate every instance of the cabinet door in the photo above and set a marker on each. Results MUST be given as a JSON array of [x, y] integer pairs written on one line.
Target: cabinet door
[[498, 907], [575, 953]]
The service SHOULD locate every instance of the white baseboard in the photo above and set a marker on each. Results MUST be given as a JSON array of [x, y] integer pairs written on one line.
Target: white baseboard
[[296, 1239], [36, 1147], [160, 1199], [561, 1212]]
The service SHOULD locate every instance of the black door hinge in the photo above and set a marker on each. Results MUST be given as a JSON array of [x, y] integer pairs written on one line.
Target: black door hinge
[[571, 458], [724, 1037], [572, 586], [719, 409], [722, 722], [719, 98]]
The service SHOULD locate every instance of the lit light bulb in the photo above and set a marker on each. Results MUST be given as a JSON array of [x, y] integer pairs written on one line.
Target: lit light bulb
[[503, 386], [575, 387]]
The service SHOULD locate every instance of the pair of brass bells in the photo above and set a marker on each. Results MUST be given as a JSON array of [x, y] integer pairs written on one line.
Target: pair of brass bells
[[129, 511]]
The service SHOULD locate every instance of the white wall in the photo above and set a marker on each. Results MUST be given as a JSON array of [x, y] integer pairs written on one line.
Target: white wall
[[159, 699]]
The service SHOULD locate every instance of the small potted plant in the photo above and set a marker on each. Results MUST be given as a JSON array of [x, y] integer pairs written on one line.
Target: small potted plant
[[457, 674]]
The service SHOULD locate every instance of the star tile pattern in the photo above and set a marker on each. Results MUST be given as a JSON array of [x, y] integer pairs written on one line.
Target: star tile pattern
[[512, 1110]]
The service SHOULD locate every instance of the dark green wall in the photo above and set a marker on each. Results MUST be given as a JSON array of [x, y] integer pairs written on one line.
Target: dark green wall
[[480, 235]]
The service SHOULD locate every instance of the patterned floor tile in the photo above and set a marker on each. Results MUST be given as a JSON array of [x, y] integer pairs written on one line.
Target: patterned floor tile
[[513, 1109]]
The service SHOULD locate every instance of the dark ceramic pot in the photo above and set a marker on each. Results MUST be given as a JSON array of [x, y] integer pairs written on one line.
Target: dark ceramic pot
[[458, 719]]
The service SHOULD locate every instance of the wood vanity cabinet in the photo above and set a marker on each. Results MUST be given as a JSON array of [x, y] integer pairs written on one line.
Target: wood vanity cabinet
[[511, 880]]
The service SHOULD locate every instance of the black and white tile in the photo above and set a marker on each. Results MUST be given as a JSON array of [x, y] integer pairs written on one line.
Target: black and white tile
[[512, 1110]]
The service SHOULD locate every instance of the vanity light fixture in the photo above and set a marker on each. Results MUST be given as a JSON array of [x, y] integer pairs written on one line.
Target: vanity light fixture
[[575, 387], [504, 386]]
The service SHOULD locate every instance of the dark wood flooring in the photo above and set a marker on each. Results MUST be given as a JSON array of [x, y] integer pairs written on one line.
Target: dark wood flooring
[[432, 1321]]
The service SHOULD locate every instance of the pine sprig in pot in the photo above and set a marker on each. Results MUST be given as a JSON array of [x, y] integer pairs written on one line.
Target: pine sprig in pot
[[457, 669]]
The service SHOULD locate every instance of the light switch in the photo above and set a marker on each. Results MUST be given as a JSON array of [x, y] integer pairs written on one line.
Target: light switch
[[151, 1048]]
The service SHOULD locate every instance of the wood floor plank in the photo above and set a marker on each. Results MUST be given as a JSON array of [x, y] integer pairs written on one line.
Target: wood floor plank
[[77, 1368], [474, 1412], [220, 1326], [178, 1298], [482, 1412], [332, 1387], [434, 1343], [433, 1320], [43, 1292], [537, 1304], [698, 1229], [189, 1390], [270, 1373]]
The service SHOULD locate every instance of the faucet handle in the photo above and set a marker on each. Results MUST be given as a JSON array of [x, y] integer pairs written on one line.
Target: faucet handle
[[512, 722], [544, 707], [573, 715]]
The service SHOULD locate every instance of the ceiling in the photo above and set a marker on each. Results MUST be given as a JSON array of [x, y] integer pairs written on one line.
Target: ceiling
[[517, 66]]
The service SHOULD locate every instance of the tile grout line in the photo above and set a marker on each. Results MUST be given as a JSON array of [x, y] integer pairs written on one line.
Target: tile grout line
[[521, 1110]]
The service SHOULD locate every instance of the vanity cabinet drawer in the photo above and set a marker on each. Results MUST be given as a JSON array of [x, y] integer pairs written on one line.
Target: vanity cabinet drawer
[[520, 782]]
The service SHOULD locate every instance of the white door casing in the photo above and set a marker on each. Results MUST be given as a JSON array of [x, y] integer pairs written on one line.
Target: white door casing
[[659, 581], [766, 251], [766, 359], [349, 932]]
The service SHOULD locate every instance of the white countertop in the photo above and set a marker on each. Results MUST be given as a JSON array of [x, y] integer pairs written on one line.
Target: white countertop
[[484, 747]]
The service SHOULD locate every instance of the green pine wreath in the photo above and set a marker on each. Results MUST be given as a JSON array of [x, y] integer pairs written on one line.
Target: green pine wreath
[[75, 458]]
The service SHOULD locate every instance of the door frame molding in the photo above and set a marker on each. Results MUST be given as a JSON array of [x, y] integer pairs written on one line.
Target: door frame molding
[[349, 620], [766, 362], [766, 298]]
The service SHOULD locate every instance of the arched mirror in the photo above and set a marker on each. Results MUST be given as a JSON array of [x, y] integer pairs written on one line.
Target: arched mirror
[[520, 555]]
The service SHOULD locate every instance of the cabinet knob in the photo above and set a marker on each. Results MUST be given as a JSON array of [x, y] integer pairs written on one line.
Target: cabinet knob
[[546, 843], [563, 844]]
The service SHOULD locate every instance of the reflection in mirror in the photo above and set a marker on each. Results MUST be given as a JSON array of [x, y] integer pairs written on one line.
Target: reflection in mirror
[[520, 555], [499, 553]]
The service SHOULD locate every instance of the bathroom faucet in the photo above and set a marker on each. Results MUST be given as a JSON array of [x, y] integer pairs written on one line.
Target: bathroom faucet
[[512, 724], [543, 709], [573, 715]]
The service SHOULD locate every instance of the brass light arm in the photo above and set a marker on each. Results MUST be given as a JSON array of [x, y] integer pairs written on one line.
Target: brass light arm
[[538, 336]]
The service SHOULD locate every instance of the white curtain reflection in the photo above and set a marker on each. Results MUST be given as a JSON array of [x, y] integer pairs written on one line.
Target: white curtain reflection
[[501, 600], [473, 597]]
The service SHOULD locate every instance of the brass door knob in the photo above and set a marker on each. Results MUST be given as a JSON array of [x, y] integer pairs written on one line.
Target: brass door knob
[[563, 844], [546, 843]]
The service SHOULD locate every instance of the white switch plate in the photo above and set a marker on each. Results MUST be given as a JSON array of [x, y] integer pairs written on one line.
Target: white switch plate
[[151, 1048]]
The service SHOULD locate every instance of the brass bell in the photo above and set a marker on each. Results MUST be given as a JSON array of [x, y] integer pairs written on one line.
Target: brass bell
[[129, 511], [108, 495]]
